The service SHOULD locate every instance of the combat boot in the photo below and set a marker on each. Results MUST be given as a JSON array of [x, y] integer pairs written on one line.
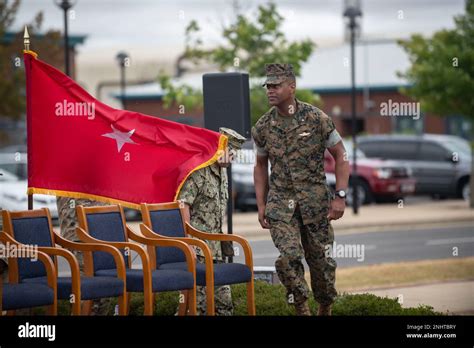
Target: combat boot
[[324, 310], [302, 309]]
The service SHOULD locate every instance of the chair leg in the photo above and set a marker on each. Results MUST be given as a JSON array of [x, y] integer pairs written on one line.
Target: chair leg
[[192, 301], [210, 300], [148, 295], [183, 305], [148, 302], [86, 308], [251, 298], [122, 303], [53, 309], [129, 299]]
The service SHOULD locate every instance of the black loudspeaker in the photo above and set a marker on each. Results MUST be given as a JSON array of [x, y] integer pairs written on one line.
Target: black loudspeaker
[[227, 102]]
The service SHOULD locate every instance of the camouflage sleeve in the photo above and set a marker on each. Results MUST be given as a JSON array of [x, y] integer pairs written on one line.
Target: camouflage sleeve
[[258, 142], [190, 189], [327, 127]]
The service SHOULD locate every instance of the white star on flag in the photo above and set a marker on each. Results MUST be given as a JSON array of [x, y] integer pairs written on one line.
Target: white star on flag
[[120, 137]]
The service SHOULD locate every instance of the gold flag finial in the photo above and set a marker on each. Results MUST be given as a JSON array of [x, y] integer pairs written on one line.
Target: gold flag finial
[[26, 39]]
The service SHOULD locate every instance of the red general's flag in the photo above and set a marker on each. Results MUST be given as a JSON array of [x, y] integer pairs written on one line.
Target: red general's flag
[[79, 147]]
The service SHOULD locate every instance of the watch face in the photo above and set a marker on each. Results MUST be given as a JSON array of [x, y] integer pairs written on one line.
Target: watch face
[[341, 194]]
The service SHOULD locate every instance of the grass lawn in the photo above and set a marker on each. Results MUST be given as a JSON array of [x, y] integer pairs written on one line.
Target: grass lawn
[[403, 273]]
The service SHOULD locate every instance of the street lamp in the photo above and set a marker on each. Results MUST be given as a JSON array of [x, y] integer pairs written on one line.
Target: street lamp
[[66, 5], [122, 59], [352, 11]]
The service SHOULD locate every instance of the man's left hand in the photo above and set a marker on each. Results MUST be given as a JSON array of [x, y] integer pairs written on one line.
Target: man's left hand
[[337, 209]]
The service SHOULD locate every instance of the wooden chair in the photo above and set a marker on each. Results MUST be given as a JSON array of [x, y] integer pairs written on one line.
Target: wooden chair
[[34, 227], [106, 224], [166, 220], [23, 295]]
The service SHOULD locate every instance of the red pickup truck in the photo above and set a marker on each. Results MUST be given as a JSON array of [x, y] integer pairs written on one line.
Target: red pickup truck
[[379, 180]]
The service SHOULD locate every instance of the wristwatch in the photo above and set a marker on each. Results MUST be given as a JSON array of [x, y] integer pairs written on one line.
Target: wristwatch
[[341, 194]]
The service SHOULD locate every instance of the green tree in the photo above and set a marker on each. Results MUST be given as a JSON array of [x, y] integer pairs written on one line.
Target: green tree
[[247, 44], [12, 83], [442, 70]]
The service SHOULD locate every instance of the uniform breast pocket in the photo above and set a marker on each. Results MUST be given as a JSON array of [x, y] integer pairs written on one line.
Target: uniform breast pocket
[[308, 140], [275, 145], [210, 197]]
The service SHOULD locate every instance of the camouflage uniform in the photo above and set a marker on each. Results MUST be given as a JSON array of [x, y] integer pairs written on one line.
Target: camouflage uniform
[[297, 204], [206, 193], [67, 214]]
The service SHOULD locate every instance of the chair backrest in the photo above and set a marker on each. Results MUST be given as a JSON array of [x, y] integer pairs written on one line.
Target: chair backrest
[[31, 227], [106, 223], [165, 219]]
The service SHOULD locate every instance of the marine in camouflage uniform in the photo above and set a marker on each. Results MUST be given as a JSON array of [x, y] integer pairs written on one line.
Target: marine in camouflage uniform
[[298, 199], [206, 194]]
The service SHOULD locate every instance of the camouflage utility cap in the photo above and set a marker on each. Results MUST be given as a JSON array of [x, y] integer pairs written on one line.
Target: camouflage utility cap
[[234, 139], [278, 73]]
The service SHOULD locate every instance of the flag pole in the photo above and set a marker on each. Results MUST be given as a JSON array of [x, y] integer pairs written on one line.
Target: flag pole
[[26, 42]]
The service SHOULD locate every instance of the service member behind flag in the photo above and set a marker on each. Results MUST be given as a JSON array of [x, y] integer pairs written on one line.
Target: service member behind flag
[[205, 195], [294, 203]]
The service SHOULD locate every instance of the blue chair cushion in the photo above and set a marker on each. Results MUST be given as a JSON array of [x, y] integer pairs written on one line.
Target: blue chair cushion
[[107, 227], [224, 273], [161, 280], [91, 287], [32, 231], [168, 223], [16, 296]]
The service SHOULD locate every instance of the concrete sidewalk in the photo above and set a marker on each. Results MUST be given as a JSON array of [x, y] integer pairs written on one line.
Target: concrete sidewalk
[[377, 218], [448, 298]]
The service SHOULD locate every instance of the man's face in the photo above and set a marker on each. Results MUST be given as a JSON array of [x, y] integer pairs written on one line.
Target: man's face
[[279, 93]]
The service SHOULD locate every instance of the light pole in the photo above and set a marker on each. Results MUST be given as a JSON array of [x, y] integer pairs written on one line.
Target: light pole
[[66, 5], [352, 11], [122, 59]]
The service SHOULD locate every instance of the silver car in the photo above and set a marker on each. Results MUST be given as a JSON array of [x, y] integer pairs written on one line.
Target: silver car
[[441, 164], [13, 186]]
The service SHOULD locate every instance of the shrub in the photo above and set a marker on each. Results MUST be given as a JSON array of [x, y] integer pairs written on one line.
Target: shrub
[[271, 300]]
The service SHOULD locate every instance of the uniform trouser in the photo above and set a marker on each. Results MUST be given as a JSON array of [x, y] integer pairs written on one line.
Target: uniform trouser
[[222, 297], [293, 239]]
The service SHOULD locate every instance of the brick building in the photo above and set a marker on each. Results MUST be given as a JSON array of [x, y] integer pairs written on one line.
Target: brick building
[[327, 73]]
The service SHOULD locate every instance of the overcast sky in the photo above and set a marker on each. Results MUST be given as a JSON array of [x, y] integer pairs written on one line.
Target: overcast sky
[[156, 27], [152, 31]]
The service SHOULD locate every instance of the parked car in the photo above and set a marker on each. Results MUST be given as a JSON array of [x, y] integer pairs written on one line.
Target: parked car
[[14, 163], [243, 190], [379, 180], [13, 194], [441, 164]]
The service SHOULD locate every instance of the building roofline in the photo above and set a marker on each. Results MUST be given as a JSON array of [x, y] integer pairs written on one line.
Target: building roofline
[[318, 90], [346, 89]]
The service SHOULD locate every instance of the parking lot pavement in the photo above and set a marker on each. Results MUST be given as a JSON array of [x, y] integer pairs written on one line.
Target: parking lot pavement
[[378, 217]]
